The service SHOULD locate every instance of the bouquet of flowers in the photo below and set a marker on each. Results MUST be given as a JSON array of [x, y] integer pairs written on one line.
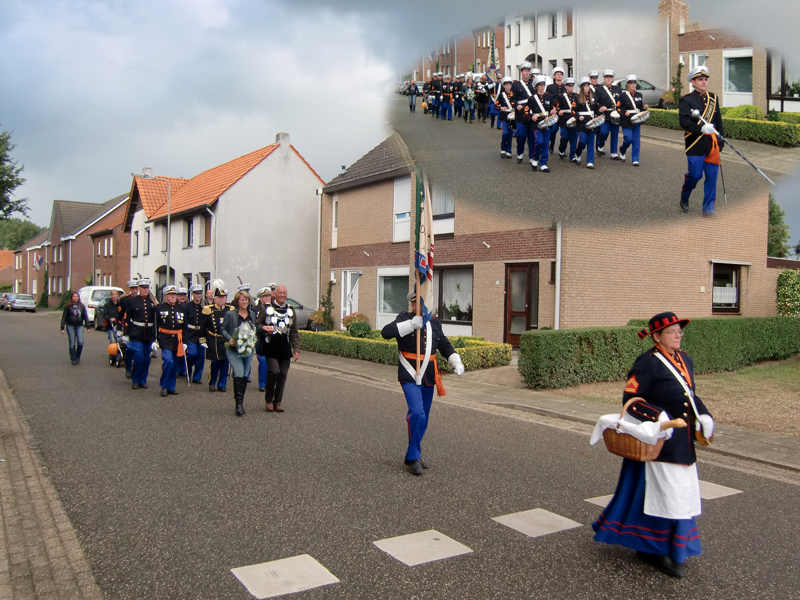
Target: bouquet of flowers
[[245, 337]]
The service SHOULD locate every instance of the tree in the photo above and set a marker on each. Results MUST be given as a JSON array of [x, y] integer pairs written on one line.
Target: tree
[[778, 235], [15, 232], [9, 180]]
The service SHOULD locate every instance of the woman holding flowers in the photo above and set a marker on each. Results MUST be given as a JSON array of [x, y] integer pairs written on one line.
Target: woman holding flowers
[[239, 332]]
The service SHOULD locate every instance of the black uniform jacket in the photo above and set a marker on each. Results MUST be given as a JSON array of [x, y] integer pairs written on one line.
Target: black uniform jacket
[[123, 307], [483, 91], [140, 318], [608, 97], [192, 317], [447, 93], [436, 88], [651, 380], [698, 144], [564, 102], [211, 331], [277, 345], [169, 318], [505, 100], [547, 103], [522, 92], [578, 108], [625, 106], [409, 344], [554, 89]]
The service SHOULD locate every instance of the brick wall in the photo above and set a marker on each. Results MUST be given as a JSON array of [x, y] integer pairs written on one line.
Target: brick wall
[[465, 54]]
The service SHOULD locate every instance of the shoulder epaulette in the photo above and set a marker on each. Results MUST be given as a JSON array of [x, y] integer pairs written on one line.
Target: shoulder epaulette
[[207, 309]]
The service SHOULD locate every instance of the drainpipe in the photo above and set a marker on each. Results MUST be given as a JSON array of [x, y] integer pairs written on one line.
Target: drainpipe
[[319, 241], [214, 250], [557, 324], [94, 254], [69, 267]]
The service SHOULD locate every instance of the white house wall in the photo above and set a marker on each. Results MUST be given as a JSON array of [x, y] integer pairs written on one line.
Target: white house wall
[[268, 227], [146, 264], [195, 259]]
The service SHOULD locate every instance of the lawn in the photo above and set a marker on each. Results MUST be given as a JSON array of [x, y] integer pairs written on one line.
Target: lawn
[[764, 397]]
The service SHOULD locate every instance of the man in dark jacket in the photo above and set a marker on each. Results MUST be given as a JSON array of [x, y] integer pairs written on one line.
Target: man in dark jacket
[[169, 319], [195, 353], [140, 317], [418, 389], [211, 337], [281, 343], [133, 291]]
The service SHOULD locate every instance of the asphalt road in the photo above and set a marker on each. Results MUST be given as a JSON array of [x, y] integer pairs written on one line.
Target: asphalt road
[[466, 159], [167, 495]]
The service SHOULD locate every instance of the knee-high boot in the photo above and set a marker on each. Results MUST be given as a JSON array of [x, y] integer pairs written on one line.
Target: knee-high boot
[[238, 394]]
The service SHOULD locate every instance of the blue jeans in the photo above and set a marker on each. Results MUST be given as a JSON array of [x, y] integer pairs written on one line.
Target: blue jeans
[[219, 369], [262, 371], [419, 399], [697, 168], [586, 140], [469, 109], [412, 102], [75, 335], [568, 134], [239, 362], [633, 137], [169, 369], [140, 356]]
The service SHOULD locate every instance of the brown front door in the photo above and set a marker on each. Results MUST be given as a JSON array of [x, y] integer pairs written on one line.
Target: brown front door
[[522, 301]]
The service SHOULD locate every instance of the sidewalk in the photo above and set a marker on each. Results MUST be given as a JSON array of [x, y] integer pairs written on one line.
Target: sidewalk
[[774, 161], [503, 386]]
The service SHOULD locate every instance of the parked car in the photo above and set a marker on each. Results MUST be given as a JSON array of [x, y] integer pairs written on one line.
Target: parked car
[[99, 322], [7, 298], [303, 314], [91, 295], [24, 302], [651, 95]]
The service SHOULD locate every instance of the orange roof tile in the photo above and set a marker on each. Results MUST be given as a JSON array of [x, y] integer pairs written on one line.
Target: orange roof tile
[[153, 192], [208, 186]]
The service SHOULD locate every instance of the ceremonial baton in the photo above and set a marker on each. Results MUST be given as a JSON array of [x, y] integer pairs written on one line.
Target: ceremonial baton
[[186, 364], [696, 114]]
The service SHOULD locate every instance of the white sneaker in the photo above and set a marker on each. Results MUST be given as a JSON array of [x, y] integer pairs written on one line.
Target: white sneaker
[[622, 157], [615, 157], [636, 163], [590, 165], [544, 169], [534, 163]]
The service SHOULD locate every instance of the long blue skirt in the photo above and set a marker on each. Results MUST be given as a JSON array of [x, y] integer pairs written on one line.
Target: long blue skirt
[[624, 523]]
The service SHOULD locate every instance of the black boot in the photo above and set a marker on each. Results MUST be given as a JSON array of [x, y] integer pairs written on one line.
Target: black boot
[[242, 391], [238, 396]]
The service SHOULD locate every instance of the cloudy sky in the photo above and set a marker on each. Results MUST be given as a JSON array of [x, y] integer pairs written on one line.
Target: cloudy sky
[[95, 89]]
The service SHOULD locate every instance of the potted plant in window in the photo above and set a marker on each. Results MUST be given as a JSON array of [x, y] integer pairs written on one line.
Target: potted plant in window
[[795, 87], [454, 309]]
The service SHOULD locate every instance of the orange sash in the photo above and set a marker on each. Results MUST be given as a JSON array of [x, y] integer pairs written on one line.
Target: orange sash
[[179, 333], [437, 378]]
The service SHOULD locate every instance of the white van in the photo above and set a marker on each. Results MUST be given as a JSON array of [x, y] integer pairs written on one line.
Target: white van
[[91, 295]]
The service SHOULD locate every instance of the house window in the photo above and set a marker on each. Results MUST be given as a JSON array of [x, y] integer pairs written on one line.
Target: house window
[[452, 293], [188, 278], [135, 244], [335, 221], [696, 59], [60, 289], [519, 34], [568, 65], [402, 209], [533, 30], [60, 253], [111, 246], [146, 249], [207, 230], [164, 238], [738, 74], [188, 232], [110, 282], [392, 293], [568, 22], [443, 203], [98, 248], [554, 25], [34, 286], [508, 36], [105, 246], [725, 290]]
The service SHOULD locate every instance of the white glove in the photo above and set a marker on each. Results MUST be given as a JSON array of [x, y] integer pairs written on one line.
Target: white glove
[[707, 423], [185, 347], [455, 362], [154, 346], [204, 346], [125, 339], [416, 322], [708, 128]]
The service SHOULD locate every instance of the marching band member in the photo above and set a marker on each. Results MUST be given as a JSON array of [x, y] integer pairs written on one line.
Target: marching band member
[[542, 107], [211, 337], [446, 108], [419, 392], [523, 91], [593, 77], [458, 98], [264, 298], [141, 327], [195, 353], [494, 114], [563, 105], [584, 109], [436, 92], [630, 103], [555, 89], [133, 291], [505, 107], [607, 96], [702, 145], [169, 321]]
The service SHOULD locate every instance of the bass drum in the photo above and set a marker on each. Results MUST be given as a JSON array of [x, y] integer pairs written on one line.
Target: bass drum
[[613, 117]]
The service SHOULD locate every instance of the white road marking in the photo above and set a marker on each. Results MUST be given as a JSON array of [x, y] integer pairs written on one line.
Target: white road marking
[[423, 547], [284, 576], [710, 491], [536, 522], [601, 501]]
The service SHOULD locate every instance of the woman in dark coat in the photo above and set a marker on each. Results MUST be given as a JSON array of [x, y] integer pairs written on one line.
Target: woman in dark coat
[[239, 332], [73, 321]]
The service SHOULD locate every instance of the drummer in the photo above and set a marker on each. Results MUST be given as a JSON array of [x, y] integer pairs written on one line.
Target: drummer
[[607, 99], [593, 77], [505, 108], [541, 107], [631, 103], [584, 109], [555, 89], [569, 134], [523, 92]]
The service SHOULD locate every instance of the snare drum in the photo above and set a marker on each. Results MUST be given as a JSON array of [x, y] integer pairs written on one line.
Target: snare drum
[[571, 122], [548, 122], [613, 117], [640, 117], [595, 123]]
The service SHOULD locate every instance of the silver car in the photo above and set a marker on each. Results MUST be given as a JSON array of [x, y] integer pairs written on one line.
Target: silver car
[[303, 318], [24, 302], [6, 300], [651, 95]]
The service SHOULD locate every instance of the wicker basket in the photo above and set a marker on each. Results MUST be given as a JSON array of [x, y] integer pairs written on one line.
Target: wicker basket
[[627, 446]]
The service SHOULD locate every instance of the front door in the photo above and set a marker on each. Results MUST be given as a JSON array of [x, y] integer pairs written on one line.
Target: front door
[[522, 301], [349, 292]]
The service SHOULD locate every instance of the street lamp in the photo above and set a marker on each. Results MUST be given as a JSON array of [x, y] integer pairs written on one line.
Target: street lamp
[[147, 173]]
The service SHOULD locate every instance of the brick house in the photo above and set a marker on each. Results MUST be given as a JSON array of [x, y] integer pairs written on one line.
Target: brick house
[[7, 268], [30, 263], [497, 276], [110, 257], [469, 50], [254, 217], [69, 251]]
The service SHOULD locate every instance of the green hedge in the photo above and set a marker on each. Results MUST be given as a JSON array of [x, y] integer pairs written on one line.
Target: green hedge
[[557, 359], [476, 353], [785, 117], [765, 132], [788, 292], [744, 111]]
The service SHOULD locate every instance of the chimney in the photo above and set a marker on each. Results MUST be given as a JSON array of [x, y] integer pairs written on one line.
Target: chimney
[[282, 139]]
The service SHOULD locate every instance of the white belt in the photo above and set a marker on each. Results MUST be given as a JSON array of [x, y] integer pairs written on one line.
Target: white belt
[[140, 324], [588, 114], [193, 326], [412, 370]]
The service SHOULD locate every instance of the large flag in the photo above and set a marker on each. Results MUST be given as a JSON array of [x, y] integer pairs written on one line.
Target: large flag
[[423, 261], [37, 261]]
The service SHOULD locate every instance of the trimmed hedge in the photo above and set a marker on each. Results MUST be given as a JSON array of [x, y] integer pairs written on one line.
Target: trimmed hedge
[[784, 117], [476, 353], [788, 291], [766, 132], [557, 359]]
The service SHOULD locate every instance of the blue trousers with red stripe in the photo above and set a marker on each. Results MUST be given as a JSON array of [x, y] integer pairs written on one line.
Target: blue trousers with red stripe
[[624, 523], [526, 131], [419, 399], [697, 168]]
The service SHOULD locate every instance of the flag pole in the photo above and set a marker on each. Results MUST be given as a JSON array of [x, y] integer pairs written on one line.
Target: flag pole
[[418, 313], [418, 309]]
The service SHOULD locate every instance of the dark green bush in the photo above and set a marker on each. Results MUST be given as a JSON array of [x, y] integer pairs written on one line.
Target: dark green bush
[[793, 118], [788, 291], [557, 359], [744, 111], [359, 329], [766, 132], [664, 118]]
